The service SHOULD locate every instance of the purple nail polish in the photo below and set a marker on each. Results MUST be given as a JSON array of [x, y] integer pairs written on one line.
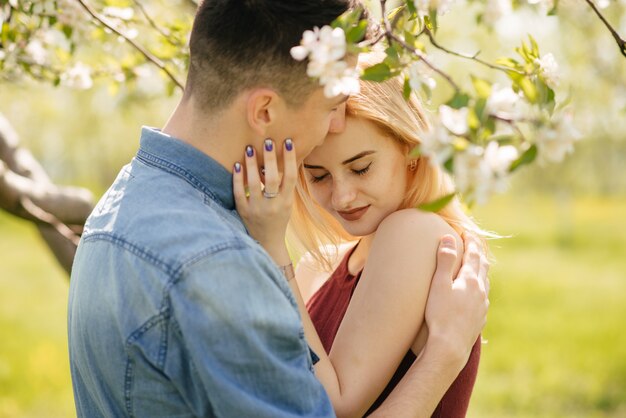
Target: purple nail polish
[[249, 151], [269, 145], [237, 167], [288, 144]]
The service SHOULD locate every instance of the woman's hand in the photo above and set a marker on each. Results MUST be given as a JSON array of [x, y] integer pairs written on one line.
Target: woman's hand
[[266, 208]]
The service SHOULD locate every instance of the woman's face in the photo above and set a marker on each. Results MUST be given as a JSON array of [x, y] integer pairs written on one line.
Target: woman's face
[[359, 176]]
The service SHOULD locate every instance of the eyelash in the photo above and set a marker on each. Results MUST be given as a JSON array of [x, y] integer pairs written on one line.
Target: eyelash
[[360, 172]]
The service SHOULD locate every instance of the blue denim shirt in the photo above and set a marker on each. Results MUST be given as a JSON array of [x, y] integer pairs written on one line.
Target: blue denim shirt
[[174, 310]]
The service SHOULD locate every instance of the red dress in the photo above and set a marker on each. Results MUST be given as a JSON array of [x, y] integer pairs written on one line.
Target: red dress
[[327, 308]]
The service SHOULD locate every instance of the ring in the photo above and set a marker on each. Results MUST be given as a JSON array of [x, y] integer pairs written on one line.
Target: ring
[[270, 195]]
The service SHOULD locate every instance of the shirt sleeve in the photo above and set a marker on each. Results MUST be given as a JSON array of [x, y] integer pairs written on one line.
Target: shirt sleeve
[[241, 330]]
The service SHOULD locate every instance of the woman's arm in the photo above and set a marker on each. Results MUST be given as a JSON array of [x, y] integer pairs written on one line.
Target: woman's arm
[[385, 313], [387, 309]]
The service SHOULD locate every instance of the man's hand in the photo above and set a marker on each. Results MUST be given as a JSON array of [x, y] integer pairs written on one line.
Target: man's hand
[[456, 311]]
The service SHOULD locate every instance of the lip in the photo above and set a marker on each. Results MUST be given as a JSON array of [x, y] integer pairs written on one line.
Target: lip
[[354, 214]]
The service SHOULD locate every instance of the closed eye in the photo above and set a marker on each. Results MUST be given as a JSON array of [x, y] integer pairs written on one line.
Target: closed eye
[[362, 171], [317, 179]]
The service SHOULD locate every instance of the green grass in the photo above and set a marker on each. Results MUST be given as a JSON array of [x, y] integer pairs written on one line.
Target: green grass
[[34, 366], [558, 306]]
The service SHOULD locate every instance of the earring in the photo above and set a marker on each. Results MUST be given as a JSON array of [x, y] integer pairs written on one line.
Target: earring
[[413, 165]]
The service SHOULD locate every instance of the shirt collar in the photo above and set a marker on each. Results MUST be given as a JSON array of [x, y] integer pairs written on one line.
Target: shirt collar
[[173, 155]]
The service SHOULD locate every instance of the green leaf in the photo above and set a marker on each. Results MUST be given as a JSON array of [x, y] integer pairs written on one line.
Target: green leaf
[[378, 72], [482, 87], [392, 59], [356, 33], [535, 47], [437, 205], [473, 120], [527, 86], [432, 14], [508, 62], [406, 89], [411, 5], [459, 100], [526, 158]]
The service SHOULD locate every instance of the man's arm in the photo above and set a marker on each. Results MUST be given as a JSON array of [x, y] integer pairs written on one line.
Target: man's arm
[[243, 339], [456, 312]]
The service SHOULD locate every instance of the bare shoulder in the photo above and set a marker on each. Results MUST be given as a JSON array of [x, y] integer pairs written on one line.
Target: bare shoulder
[[412, 231], [413, 223]]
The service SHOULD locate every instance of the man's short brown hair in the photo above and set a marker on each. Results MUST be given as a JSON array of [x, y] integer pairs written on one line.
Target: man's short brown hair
[[240, 44]]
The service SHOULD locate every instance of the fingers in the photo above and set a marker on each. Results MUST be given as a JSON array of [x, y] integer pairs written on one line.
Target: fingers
[[472, 254], [272, 177], [446, 257], [252, 173], [239, 190], [290, 168]]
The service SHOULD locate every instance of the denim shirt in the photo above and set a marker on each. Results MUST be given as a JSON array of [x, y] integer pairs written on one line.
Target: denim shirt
[[174, 310]]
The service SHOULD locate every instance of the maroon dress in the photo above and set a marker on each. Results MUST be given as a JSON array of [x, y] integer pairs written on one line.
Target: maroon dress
[[327, 308]]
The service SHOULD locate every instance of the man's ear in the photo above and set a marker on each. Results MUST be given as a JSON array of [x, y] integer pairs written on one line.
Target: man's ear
[[262, 109]]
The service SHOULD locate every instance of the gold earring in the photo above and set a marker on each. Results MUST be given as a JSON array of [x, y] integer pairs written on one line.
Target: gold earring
[[413, 165]]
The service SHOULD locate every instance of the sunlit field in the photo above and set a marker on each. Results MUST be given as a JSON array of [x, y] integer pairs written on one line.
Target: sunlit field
[[556, 346]]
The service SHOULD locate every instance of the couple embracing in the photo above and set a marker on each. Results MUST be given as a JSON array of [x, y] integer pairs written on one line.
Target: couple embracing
[[184, 301]]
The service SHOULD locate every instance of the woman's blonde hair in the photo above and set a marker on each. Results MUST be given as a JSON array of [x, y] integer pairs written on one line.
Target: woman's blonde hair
[[312, 229]]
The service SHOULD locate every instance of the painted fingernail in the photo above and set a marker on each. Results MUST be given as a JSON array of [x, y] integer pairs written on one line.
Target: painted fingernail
[[288, 144], [249, 151], [269, 145], [237, 167]]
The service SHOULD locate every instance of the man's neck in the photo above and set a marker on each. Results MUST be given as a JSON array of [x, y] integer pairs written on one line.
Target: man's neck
[[219, 136]]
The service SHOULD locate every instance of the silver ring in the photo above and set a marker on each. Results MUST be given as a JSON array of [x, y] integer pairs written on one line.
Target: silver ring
[[270, 195]]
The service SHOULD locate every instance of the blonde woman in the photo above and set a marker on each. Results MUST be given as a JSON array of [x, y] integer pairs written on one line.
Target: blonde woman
[[354, 219]]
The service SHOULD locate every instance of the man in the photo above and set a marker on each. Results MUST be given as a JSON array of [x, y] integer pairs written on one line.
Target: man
[[174, 310]]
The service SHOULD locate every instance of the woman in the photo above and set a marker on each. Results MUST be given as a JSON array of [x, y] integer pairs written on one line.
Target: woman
[[354, 216]]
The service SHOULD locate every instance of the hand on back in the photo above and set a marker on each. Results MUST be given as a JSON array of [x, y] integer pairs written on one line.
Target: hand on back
[[456, 311]]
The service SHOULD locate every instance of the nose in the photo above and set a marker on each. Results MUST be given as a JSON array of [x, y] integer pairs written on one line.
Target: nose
[[338, 122], [343, 194]]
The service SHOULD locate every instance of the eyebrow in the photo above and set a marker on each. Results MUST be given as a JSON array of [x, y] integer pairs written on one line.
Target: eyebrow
[[348, 161]]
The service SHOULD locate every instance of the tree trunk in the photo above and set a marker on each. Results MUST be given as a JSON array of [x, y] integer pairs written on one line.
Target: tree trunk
[[27, 192]]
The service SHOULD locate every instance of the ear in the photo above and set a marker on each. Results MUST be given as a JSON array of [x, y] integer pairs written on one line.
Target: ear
[[262, 109]]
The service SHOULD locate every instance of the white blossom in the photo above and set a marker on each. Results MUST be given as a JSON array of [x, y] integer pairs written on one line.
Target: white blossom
[[499, 158], [123, 13], [79, 77], [496, 9], [36, 51], [471, 174], [326, 49], [425, 6], [557, 140], [603, 4], [454, 119], [549, 69], [419, 75], [481, 172], [70, 13], [436, 144], [504, 102], [544, 5]]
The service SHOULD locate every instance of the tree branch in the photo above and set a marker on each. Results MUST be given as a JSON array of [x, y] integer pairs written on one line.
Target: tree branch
[[153, 24], [149, 56], [391, 36], [474, 57], [620, 42]]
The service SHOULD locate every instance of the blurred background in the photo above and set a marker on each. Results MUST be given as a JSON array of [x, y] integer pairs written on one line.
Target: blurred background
[[556, 346]]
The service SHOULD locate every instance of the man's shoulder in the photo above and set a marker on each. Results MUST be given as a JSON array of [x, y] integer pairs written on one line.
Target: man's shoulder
[[165, 216]]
